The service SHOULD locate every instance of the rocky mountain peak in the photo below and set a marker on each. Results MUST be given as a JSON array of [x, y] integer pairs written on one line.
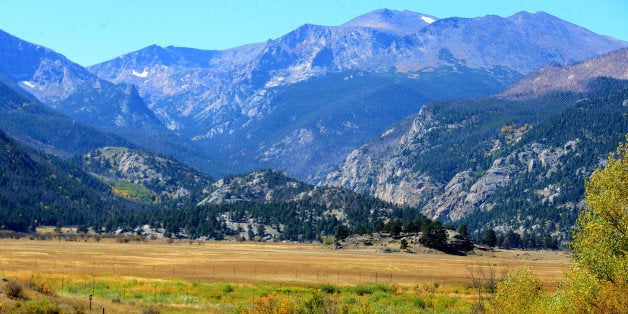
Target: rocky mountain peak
[[391, 21], [387, 64]]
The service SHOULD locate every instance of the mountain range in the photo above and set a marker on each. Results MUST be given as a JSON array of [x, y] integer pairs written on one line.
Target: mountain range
[[321, 82], [488, 121]]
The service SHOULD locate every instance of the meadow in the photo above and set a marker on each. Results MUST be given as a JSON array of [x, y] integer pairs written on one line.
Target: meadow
[[203, 276]]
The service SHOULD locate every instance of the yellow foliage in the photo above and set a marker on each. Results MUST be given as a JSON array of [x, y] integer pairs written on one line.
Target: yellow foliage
[[578, 291], [120, 192], [518, 293], [598, 283], [600, 239], [613, 298], [267, 304]]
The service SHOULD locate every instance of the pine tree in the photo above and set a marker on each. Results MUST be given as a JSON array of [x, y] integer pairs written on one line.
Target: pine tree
[[434, 236], [490, 238]]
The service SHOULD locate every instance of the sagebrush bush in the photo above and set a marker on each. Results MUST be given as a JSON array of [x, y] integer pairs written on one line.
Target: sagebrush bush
[[14, 290], [40, 287], [150, 310]]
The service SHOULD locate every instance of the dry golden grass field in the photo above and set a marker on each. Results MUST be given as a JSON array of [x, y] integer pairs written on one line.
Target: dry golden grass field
[[73, 268]]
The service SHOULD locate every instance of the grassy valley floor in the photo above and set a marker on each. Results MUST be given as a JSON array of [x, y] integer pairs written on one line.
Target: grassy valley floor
[[199, 277]]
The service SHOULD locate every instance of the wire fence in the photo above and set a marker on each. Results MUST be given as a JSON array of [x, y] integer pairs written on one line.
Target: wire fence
[[244, 272]]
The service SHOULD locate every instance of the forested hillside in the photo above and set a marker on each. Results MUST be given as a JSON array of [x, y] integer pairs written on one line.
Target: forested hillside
[[582, 136], [513, 165], [267, 204], [145, 177], [37, 189]]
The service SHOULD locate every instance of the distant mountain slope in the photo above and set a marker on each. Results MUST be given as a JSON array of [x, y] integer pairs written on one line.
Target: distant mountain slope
[[143, 176], [269, 204], [314, 124], [511, 164], [36, 189], [573, 78], [274, 187], [72, 90], [45, 129], [210, 96]]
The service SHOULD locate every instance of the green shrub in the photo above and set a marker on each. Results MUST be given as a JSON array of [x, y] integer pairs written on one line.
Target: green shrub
[[379, 296], [329, 288], [371, 288], [363, 289], [40, 306], [227, 288], [418, 303]]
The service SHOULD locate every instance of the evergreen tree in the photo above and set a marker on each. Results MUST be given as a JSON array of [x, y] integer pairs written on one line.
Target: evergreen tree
[[463, 236], [434, 236], [490, 238], [342, 232], [403, 244]]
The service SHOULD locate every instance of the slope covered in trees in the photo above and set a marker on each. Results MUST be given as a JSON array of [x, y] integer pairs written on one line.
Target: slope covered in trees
[[553, 196], [516, 166], [37, 189], [598, 282], [268, 204]]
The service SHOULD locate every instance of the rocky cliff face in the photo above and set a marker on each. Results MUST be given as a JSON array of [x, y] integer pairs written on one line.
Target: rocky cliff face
[[464, 194], [380, 168]]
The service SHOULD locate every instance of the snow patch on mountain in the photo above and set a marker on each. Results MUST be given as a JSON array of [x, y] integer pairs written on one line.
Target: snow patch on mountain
[[428, 20], [138, 74]]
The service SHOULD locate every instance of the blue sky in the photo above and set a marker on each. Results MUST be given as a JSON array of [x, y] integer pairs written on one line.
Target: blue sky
[[92, 31]]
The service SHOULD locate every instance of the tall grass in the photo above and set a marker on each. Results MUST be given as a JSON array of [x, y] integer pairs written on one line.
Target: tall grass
[[120, 294]]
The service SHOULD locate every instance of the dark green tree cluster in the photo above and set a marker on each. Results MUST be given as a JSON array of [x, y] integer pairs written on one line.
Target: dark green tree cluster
[[434, 236]]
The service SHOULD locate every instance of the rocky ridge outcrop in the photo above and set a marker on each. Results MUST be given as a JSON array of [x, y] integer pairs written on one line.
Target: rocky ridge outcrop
[[166, 177]]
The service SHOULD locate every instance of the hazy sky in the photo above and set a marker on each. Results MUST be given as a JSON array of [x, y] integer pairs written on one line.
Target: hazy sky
[[92, 31]]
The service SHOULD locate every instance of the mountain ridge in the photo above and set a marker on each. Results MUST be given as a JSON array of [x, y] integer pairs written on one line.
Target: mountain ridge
[[72, 90], [237, 88], [574, 77]]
